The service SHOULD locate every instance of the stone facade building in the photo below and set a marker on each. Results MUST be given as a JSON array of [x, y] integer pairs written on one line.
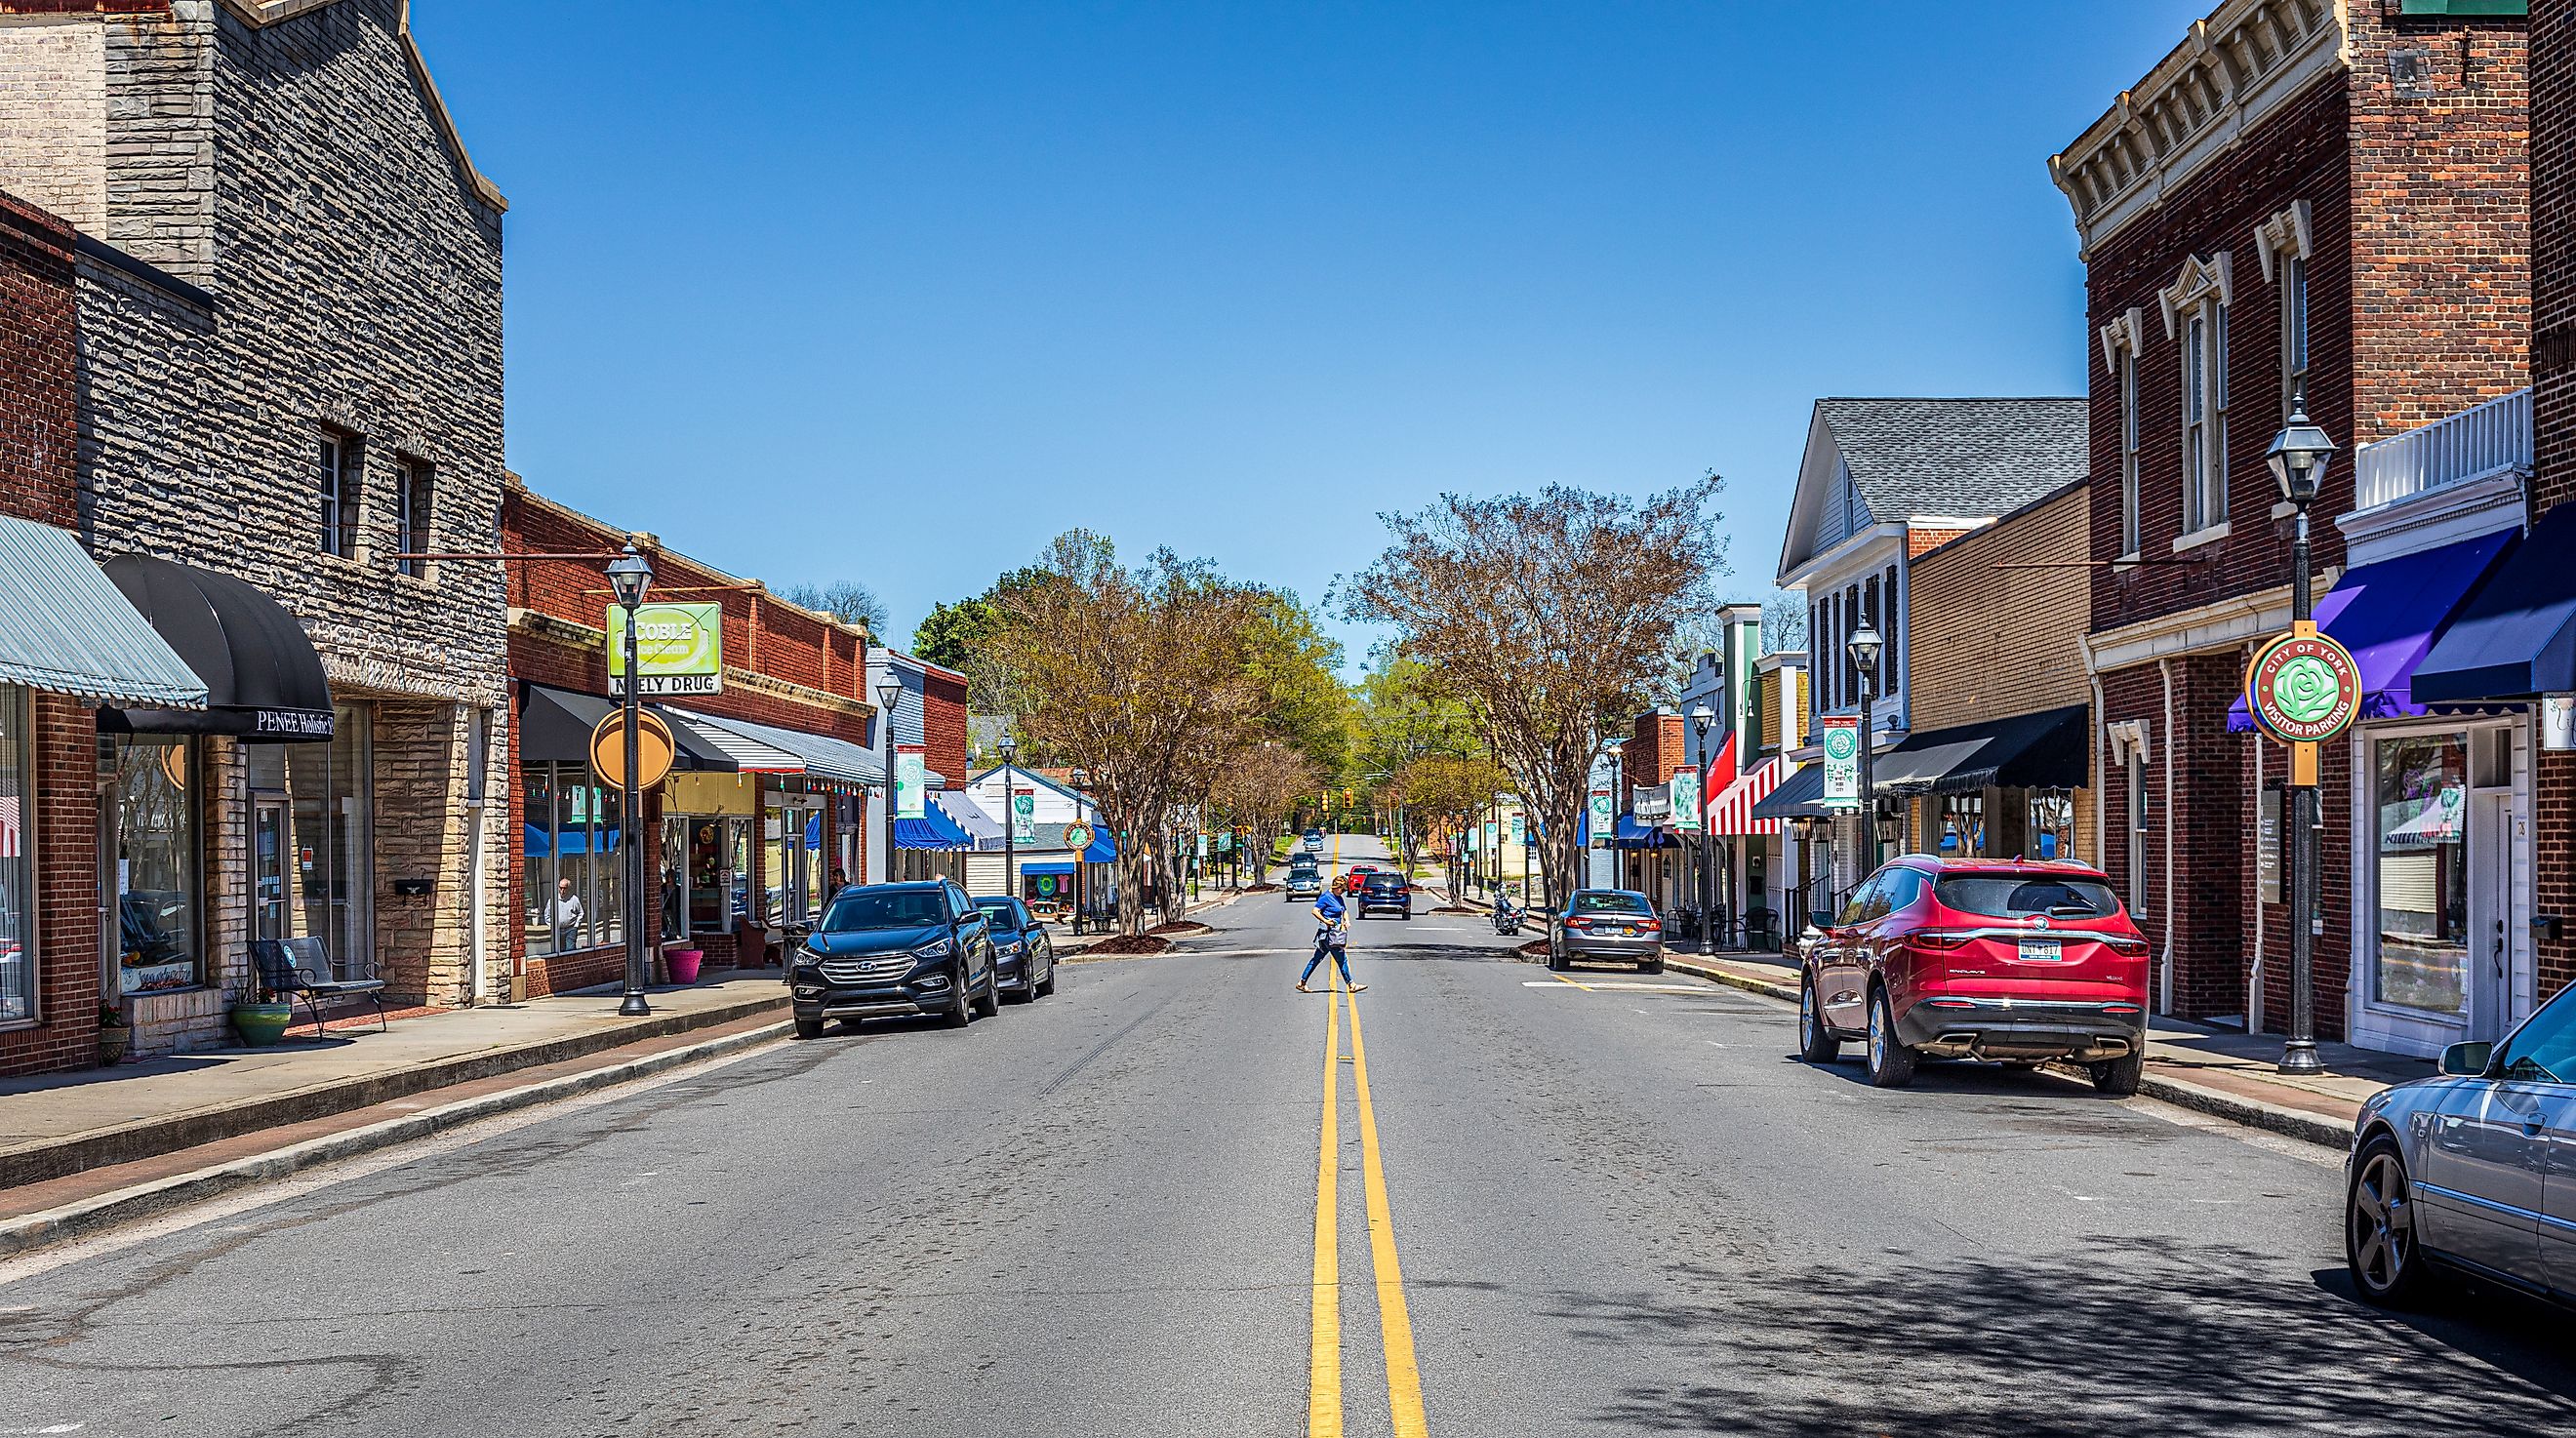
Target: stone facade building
[[289, 303], [2302, 198]]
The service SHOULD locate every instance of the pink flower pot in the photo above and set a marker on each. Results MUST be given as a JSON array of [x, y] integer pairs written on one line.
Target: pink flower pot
[[684, 964]]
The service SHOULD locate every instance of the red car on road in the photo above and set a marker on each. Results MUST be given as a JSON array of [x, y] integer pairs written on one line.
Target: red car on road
[[1979, 958]]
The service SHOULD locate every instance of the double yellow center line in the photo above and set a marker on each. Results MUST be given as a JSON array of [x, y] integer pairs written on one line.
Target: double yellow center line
[[1395, 1323]]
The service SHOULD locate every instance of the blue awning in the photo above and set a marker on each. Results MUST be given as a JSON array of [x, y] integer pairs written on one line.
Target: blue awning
[[535, 845], [2516, 636], [1052, 867], [2388, 613], [1632, 835], [1103, 850], [933, 830]]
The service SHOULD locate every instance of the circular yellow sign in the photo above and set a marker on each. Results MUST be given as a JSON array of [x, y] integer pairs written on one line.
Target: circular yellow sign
[[654, 749]]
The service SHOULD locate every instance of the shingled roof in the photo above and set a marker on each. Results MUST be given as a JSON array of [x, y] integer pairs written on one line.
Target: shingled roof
[[1972, 458]]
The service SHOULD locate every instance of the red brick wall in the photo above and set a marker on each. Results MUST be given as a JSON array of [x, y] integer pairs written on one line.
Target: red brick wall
[[943, 722], [2553, 378], [39, 361]]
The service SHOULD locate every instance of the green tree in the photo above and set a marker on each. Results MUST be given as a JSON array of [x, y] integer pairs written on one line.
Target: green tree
[[1304, 703]]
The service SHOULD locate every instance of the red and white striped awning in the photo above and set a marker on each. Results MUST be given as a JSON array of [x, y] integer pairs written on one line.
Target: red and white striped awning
[[1730, 814]]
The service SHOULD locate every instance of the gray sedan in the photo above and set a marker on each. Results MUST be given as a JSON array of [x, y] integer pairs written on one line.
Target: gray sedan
[[2472, 1172], [1614, 924]]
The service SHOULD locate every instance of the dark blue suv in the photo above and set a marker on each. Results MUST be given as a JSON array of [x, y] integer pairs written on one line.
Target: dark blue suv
[[893, 950]]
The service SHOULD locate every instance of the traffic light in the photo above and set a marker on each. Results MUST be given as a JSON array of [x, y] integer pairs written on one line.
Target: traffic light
[[1348, 797]]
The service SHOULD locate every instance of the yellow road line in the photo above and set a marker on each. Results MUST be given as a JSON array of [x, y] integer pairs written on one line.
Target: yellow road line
[[1562, 979], [1324, 1355], [1395, 1324]]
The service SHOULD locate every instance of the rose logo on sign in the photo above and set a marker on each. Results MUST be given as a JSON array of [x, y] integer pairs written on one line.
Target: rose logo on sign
[[2303, 689]]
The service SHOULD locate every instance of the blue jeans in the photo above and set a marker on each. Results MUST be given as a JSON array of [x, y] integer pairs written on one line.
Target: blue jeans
[[1326, 941]]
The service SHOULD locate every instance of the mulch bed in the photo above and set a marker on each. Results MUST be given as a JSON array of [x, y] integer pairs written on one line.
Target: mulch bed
[[1535, 948], [1131, 944], [1261, 888], [1182, 926], [1456, 909]]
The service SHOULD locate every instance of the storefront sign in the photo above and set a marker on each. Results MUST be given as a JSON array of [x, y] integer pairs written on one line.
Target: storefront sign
[[1685, 799], [1024, 816], [2303, 689], [911, 781], [2558, 722], [693, 791], [1077, 836], [1651, 806], [1839, 736], [679, 648]]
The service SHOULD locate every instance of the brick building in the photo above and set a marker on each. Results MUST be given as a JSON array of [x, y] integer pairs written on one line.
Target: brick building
[[930, 715], [766, 804], [2326, 200], [289, 304]]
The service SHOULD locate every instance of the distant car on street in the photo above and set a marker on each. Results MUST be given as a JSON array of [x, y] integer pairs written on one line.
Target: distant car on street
[[1353, 877], [1304, 879], [1381, 891], [1314, 841], [2468, 1173], [2006, 960], [887, 950], [1615, 924], [1023, 955]]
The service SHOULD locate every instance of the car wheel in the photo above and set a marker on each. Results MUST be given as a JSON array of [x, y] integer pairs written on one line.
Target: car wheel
[[2119, 1077], [2379, 1227], [1817, 1044], [991, 1003], [1891, 1063], [960, 1012], [809, 1028], [1651, 966]]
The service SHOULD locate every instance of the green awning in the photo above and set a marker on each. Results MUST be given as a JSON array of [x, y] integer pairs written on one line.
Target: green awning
[[67, 630]]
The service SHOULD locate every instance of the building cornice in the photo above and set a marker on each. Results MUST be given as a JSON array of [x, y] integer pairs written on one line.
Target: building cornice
[[2229, 623], [1846, 554], [2247, 59]]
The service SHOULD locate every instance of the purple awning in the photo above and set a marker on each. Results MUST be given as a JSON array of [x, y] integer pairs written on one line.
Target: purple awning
[[2388, 614]]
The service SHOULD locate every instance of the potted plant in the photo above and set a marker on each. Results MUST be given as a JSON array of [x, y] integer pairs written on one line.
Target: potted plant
[[259, 1015], [115, 1035], [683, 961]]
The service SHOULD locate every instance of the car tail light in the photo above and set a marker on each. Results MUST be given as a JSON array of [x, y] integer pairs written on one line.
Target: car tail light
[[1948, 1004], [1650, 926], [2123, 944], [1937, 939], [1578, 923], [2123, 1009]]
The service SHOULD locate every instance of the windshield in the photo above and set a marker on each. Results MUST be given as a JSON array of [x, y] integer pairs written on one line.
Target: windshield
[[1385, 881], [886, 909], [2018, 896], [1603, 901], [2543, 1050], [1001, 909]]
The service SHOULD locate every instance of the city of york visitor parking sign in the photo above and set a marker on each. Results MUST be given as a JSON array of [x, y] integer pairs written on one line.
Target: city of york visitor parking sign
[[2303, 689]]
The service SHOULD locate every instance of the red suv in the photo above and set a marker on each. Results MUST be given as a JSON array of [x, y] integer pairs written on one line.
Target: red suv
[[1979, 958]]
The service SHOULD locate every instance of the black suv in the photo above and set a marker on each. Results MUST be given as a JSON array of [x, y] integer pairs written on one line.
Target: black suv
[[887, 950], [1023, 955], [1382, 890]]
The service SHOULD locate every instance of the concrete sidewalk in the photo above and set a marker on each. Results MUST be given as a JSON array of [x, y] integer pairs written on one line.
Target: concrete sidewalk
[[62, 1124], [2229, 1075]]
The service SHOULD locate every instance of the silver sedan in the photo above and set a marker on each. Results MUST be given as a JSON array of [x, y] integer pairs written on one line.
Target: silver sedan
[[2472, 1172]]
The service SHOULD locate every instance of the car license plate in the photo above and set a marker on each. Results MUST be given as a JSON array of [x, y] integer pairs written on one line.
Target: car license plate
[[2042, 951], [1627, 931]]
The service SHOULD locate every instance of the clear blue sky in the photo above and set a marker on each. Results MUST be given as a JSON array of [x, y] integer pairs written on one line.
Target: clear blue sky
[[898, 292]]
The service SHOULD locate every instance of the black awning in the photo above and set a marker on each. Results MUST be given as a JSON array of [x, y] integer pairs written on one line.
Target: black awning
[[555, 727], [264, 682], [2516, 636], [1800, 796], [2028, 751]]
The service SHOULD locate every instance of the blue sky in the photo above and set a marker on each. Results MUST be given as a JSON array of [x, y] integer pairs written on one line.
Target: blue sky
[[895, 293]]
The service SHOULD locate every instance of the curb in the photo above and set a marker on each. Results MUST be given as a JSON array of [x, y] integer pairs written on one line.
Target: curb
[[2217, 1103], [74, 1220]]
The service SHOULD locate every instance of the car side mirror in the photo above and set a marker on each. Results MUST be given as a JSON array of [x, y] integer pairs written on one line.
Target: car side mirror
[[2467, 1060]]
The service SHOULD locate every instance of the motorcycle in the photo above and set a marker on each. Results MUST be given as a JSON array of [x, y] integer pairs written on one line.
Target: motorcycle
[[1507, 919]]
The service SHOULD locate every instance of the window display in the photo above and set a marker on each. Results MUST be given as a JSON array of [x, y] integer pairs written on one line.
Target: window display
[[17, 890], [152, 782], [575, 895], [2422, 857]]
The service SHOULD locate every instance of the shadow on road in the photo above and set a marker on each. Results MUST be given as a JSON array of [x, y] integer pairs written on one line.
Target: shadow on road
[[2141, 1335]]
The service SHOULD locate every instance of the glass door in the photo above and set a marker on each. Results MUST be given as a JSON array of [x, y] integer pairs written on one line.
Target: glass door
[[272, 877]]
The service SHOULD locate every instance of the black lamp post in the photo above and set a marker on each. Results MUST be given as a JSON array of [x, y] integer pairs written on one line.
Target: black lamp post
[[1864, 646], [629, 575], [1701, 718], [889, 692], [2298, 459], [1010, 821]]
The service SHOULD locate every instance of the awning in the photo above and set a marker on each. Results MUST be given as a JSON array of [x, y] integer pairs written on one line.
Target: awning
[[555, 727], [1730, 815], [933, 830], [823, 756], [264, 683], [746, 754], [2046, 750], [1052, 867], [1629, 834], [2388, 613], [2516, 636], [71, 632], [961, 810], [1800, 796], [1103, 850]]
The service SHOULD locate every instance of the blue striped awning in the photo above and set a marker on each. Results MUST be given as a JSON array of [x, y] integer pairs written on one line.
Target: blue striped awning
[[70, 632], [933, 830]]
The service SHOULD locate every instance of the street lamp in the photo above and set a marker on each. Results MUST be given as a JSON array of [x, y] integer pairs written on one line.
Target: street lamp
[[2298, 459], [1701, 717], [889, 691], [629, 575], [1010, 821], [1864, 646]]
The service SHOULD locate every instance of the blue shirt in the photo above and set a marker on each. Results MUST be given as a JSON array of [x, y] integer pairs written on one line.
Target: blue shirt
[[1329, 905]]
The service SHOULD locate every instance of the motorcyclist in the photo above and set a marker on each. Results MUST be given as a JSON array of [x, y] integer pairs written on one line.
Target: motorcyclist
[[1333, 938]]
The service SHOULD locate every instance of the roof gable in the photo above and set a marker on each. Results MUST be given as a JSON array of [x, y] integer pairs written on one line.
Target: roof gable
[[1890, 461], [260, 14]]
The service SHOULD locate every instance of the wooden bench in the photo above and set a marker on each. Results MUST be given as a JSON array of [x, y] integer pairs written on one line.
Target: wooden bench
[[289, 967]]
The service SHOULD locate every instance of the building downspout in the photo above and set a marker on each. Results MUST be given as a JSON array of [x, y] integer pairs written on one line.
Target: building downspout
[[2164, 671]]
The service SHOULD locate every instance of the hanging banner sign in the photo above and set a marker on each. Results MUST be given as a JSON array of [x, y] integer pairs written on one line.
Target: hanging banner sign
[[679, 648], [1203, 846], [1024, 816], [1605, 813], [2303, 689], [911, 781], [1685, 795], [1839, 736]]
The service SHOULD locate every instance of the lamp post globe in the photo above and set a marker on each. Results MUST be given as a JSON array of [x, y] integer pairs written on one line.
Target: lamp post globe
[[2299, 456], [629, 576], [2298, 459]]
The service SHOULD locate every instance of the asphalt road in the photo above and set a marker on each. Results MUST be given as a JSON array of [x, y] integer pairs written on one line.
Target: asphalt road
[[1620, 1207]]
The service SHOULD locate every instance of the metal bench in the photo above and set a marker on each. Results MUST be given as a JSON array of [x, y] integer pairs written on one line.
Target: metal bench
[[288, 966]]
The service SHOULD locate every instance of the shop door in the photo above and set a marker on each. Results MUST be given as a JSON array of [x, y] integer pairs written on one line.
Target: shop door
[[2492, 960], [272, 877]]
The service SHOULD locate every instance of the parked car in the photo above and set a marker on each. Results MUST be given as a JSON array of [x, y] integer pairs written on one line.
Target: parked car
[[1382, 890], [2006, 960], [2468, 1172], [1615, 924], [1023, 955], [1314, 841], [885, 950]]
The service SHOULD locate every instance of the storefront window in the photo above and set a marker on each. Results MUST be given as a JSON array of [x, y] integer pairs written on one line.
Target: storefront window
[[2052, 824], [17, 889], [152, 781], [1962, 833], [2423, 861], [328, 841], [572, 847], [674, 886]]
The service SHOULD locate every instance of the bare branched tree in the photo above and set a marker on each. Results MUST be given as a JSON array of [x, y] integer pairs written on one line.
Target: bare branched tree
[[846, 600], [1258, 789], [1137, 676], [1551, 614]]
